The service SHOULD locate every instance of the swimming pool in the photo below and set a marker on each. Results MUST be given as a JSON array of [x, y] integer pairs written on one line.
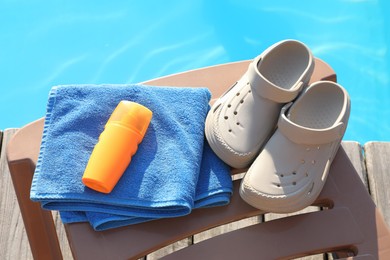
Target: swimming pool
[[46, 43]]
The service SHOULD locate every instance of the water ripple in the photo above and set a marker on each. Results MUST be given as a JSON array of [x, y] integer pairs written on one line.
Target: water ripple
[[59, 70], [360, 1], [70, 19], [139, 38], [309, 15], [197, 60], [329, 47], [173, 47]]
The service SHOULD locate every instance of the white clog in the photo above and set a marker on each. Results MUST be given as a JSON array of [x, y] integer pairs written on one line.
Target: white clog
[[244, 117], [290, 172]]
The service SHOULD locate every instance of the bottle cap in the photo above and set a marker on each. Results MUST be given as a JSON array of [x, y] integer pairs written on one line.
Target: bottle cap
[[131, 115]]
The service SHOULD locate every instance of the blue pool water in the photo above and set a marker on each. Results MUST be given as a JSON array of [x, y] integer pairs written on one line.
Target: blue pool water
[[46, 43]]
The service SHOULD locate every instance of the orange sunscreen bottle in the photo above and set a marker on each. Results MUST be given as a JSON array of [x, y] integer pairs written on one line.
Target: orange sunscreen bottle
[[119, 141]]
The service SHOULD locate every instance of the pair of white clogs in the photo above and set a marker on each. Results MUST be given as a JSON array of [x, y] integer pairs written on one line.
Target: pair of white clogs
[[286, 132]]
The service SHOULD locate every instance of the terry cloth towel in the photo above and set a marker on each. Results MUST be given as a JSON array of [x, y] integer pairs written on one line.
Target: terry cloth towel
[[211, 191], [162, 179]]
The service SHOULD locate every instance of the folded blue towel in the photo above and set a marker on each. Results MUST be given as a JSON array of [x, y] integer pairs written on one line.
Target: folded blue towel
[[167, 176], [213, 189]]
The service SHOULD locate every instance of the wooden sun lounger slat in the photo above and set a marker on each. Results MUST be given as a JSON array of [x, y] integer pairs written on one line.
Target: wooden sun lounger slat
[[13, 238], [378, 169]]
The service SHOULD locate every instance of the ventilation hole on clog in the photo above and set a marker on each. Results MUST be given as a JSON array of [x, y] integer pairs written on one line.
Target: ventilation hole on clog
[[242, 101], [235, 112], [294, 183], [294, 173], [230, 130], [238, 123], [238, 93], [282, 175], [226, 117], [278, 185], [229, 105], [250, 91]]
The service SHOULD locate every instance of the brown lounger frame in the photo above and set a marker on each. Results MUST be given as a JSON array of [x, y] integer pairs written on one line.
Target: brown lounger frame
[[351, 225]]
